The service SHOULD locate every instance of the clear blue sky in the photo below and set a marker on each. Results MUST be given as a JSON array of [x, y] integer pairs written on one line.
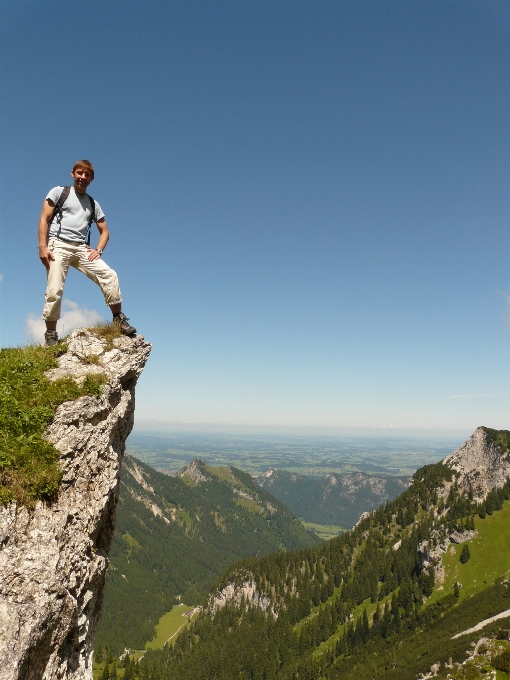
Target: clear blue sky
[[308, 201]]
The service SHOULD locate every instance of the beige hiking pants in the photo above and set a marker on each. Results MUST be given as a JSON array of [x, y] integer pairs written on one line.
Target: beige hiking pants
[[75, 255]]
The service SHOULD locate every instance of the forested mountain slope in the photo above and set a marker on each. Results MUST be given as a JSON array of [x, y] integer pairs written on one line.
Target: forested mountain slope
[[176, 535], [332, 499], [384, 600]]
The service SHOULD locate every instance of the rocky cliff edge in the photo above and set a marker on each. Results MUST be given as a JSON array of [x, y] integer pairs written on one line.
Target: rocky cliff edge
[[53, 558]]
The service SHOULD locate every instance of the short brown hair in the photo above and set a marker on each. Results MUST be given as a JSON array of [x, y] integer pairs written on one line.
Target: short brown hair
[[84, 164]]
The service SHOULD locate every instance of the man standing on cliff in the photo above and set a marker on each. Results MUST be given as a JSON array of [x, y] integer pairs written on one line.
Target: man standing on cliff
[[64, 241]]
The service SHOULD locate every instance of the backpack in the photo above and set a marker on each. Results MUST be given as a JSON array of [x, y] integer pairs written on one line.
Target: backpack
[[58, 210]]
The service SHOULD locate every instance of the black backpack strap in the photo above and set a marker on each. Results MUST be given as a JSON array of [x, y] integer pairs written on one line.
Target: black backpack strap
[[92, 217], [58, 205]]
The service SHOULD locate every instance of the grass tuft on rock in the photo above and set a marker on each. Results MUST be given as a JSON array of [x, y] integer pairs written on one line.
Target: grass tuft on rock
[[29, 469], [107, 331]]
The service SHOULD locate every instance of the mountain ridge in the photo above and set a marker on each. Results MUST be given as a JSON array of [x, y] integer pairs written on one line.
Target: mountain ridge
[[342, 609], [176, 534], [337, 499]]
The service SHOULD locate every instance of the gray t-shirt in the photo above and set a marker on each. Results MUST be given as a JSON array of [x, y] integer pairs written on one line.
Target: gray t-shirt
[[75, 216]]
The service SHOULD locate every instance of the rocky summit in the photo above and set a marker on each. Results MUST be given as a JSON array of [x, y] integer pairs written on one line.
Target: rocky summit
[[53, 557], [482, 463]]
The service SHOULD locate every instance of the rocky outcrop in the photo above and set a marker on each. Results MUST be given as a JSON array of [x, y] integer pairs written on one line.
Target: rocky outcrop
[[195, 470], [245, 591], [53, 558], [431, 551], [479, 464]]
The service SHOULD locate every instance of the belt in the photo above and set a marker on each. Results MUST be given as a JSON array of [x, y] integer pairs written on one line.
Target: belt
[[71, 243]]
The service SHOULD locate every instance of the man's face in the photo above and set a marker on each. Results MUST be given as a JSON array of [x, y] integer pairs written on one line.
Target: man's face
[[82, 178]]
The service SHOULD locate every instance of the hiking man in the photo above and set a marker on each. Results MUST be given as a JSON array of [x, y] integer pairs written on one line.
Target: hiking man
[[64, 241]]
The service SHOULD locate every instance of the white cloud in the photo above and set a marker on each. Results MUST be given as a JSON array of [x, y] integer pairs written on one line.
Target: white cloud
[[73, 317]]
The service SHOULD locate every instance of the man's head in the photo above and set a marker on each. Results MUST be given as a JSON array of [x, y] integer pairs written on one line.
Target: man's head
[[83, 174]]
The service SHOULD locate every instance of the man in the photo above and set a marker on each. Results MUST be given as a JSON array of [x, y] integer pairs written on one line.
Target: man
[[63, 242]]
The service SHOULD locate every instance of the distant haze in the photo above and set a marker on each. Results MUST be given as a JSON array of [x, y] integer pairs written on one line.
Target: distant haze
[[146, 426], [303, 451]]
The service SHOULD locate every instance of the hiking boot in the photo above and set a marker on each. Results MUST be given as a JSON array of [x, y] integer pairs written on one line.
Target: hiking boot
[[122, 321], [50, 338]]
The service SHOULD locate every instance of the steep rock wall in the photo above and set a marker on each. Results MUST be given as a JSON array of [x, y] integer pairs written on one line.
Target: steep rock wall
[[479, 464], [238, 592], [53, 558]]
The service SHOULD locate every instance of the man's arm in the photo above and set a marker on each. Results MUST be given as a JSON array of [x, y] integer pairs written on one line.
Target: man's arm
[[45, 254], [104, 236]]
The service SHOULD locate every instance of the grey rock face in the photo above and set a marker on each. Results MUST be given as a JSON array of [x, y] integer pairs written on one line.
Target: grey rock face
[[53, 559], [195, 471], [246, 591], [479, 464]]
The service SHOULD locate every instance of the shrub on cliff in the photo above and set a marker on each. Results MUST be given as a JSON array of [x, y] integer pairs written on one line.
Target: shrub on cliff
[[29, 469]]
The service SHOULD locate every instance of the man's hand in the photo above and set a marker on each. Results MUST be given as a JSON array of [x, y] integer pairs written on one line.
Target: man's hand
[[93, 254], [103, 240], [46, 256]]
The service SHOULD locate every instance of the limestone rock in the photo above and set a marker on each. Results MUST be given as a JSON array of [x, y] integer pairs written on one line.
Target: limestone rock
[[245, 591], [195, 470], [479, 464], [53, 558]]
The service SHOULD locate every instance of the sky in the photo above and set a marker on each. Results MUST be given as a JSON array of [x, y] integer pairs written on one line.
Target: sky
[[308, 201]]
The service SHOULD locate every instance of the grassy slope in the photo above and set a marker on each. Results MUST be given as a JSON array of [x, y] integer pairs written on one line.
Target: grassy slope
[[490, 560], [490, 557], [169, 624], [324, 531], [414, 651], [483, 595]]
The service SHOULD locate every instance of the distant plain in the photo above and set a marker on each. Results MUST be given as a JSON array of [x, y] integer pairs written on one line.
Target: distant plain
[[308, 455]]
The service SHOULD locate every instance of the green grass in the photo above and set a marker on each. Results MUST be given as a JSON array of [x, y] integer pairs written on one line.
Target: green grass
[[29, 469], [356, 612], [168, 626], [107, 331], [324, 531], [490, 557], [413, 650], [477, 574], [249, 505], [223, 473]]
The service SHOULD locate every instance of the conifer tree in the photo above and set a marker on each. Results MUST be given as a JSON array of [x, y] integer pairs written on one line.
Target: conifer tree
[[465, 554], [377, 614]]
